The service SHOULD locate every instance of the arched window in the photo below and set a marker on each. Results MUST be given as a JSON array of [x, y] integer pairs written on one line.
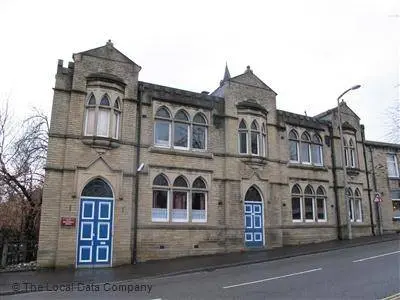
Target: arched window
[[243, 137], [199, 200], [346, 152], [255, 138], [181, 130], [321, 204], [252, 194], [180, 209], [294, 146], [352, 153], [199, 132], [102, 118], [309, 199], [264, 140], [305, 150], [90, 116], [97, 188], [117, 118], [350, 199], [162, 128], [316, 150], [297, 211], [160, 206], [357, 206]]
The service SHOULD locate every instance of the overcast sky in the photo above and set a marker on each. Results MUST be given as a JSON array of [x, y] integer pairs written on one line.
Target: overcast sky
[[308, 52]]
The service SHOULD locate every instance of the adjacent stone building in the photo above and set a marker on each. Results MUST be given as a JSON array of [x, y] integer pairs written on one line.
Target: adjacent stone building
[[138, 171]]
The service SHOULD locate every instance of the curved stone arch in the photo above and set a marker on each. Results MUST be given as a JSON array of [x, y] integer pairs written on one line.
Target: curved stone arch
[[254, 186], [89, 180]]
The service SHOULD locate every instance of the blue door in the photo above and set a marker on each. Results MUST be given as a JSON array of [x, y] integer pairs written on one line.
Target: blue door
[[95, 232], [254, 232]]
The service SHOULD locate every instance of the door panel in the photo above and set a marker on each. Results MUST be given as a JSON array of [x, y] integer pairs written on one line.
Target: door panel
[[95, 232], [254, 232]]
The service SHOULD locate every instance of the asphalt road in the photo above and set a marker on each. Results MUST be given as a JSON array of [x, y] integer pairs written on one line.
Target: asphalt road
[[365, 272]]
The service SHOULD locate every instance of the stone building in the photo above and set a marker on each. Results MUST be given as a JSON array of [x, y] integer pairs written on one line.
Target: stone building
[[138, 171]]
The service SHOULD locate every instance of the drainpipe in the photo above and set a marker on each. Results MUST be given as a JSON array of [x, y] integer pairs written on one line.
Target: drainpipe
[[368, 185], [374, 184], [136, 191], [335, 187]]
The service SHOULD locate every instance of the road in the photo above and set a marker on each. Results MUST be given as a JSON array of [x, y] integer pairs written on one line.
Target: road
[[365, 272]]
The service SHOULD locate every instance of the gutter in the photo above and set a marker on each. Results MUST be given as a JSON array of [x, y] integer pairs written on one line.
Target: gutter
[[368, 185], [136, 190]]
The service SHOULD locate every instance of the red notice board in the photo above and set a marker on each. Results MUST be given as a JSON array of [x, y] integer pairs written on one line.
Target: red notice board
[[68, 221]]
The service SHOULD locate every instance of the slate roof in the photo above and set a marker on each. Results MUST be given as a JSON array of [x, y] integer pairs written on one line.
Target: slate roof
[[301, 120]]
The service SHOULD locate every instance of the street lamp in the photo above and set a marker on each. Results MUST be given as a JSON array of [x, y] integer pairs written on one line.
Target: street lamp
[[348, 221]]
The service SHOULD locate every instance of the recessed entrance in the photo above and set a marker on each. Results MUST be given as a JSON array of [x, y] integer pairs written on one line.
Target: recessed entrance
[[253, 219]]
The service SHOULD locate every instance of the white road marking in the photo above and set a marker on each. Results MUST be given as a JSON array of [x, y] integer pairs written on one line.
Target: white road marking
[[392, 297], [376, 256], [272, 278]]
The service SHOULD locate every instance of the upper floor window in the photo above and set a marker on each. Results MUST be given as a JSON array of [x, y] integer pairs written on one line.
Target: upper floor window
[[349, 152], [252, 140], [184, 133], [305, 150], [393, 168], [101, 118]]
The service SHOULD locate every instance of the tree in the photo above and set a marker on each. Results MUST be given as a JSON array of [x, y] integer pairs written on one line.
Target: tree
[[23, 150]]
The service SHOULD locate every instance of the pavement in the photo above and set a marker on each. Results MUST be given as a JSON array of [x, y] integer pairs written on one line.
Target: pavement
[[16, 282]]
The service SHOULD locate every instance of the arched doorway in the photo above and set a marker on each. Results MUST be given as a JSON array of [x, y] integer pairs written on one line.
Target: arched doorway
[[253, 218], [96, 211]]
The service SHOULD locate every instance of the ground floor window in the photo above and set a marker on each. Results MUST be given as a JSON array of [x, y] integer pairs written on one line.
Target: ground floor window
[[179, 202], [308, 206], [355, 209], [396, 204]]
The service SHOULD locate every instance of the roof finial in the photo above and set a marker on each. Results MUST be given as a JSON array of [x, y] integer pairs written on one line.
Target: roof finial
[[109, 44], [248, 70]]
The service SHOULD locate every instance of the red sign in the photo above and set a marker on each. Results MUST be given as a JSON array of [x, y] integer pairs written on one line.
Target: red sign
[[68, 221], [378, 198]]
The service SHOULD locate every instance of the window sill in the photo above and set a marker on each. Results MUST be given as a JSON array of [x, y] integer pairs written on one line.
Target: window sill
[[352, 171], [100, 142], [307, 166], [394, 178], [253, 159], [190, 153]]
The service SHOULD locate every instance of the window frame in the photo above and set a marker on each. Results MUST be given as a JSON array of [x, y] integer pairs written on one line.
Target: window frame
[[298, 196], [243, 131], [205, 125], [307, 142], [297, 143], [395, 165], [257, 134]]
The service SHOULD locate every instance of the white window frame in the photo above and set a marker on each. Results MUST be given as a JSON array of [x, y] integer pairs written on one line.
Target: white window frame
[[179, 220], [205, 205], [323, 198], [164, 189], [395, 165], [205, 126], [169, 133]]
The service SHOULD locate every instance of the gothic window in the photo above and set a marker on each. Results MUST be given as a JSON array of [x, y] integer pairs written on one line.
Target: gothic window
[[354, 200], [160, 206], [162, 128], [305, 148], [180, 200], [199, 132], [321, 204], [352, 153], [97, 188], [309, 207], [316, 147], [252, 194], [264, 140], [297, 211], [243, 137], [102, 119], [294, 146], [255, 138], [199, 200]]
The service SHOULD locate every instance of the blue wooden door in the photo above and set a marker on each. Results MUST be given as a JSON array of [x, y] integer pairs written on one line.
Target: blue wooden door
[[95, 232], [254, 229]]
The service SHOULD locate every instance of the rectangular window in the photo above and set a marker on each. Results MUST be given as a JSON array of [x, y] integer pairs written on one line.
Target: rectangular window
[[396, 204], [181, 135], [160, 206], [255, 142], [179, 207], [103, 122], [309, 208], [352, 158], [316, 155], [293, 148], [243, 142], [393, 168], [321, 209], [305, 153], [199, 207], [162, 133], [296, 209], [346, 157], [90, 117], [199, 137]]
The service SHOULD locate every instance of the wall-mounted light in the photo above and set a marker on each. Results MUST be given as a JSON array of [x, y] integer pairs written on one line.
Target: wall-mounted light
[[140, 168]]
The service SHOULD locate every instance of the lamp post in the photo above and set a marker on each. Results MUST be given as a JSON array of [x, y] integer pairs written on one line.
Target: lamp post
[[347, 204]]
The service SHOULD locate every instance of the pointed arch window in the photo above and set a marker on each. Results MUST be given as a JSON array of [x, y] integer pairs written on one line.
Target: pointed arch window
[[180, 209], [294, 146], [297, 211], [243, 137], [355, 209], [309, 199], [305, 150], [264, 140], [316, 150], [160, 208], [255, 138], [252, 194], [97, 188], [199, 200], [199, 132], [352, 153], [102, 119], [321, 204], [181, 130], [162, 128]]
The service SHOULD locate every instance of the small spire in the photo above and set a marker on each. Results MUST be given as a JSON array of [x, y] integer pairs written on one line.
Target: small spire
[[109, 44], [227, 75]]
